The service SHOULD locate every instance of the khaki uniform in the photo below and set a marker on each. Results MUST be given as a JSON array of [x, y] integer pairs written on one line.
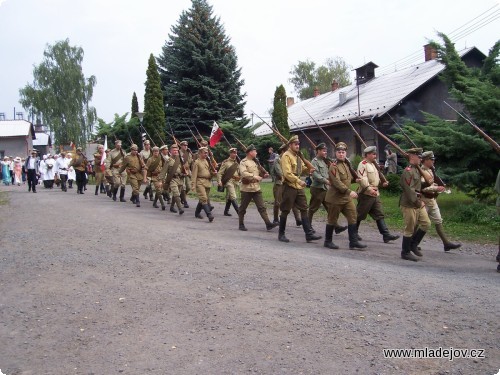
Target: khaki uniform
[[251, 191], [278, 190], [154, 166], [188, 163], [201, 180], [367, 203], [318, 187], [410, 202], [99, 174], [134, 166], [79, 163], [293, 191], [177, 182], [338, 195], [429, 195], [114, 162], [233, 184]]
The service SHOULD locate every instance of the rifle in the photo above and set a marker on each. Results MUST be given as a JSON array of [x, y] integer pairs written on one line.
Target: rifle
[[354, 173], [211, 158], [229, 144], [377, 167], [159, 137], [485, 136], [145, 131], [185, 168], [285, 141], [262, 170], [404, 153]]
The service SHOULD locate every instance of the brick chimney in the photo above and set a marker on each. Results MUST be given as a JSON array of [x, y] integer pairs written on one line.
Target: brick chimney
[[290, 101], [335, 85], [316, 91], [430, 53]]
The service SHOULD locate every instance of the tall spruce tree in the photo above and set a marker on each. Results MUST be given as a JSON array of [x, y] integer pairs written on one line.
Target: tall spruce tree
[[464, 158], [135, 106], [280, 112], [154, 117], [199, 73]]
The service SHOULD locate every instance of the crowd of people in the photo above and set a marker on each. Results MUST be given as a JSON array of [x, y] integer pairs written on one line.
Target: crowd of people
[[170, 173]]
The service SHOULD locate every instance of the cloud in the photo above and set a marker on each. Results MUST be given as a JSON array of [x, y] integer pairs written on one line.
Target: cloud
[[1, 2]]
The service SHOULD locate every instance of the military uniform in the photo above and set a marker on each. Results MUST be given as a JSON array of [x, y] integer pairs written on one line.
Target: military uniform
[[187, 158], [429, 196], [154, 166], [166, 190], [145, 154], [174, 170], [278, 192], [136, 172], [229, 166], [293, 190], [98, 171], [413, 210], [114, 161], [79, 164], [250, 190], [369, 196], [201, 182]]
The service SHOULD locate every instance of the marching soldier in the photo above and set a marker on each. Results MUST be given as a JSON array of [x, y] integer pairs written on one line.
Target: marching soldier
[[108, 177], [136, 171], [412, 207], [369, 195], [98, 168], [79, 164], [340, 199], [114, 162], [293, 190], [429, 195], [145, 154], [250, 189], [320, 184], [165, 157], [172, 173], [228, 178], [187, 156], [201, 182], [154, 166]]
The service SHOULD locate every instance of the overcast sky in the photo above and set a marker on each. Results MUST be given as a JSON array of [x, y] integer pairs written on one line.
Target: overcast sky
[[269, 36]]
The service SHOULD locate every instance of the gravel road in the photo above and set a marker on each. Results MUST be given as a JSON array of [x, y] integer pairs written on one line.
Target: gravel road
[[92, 286]]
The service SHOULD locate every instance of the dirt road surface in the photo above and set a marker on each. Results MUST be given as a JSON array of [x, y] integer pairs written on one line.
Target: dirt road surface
[[92, 286]]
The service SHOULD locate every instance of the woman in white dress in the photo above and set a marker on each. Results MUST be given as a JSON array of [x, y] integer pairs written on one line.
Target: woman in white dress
[[71, 172], [50, 171]]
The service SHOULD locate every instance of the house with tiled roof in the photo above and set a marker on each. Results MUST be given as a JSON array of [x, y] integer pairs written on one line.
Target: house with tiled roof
[[385, 99]]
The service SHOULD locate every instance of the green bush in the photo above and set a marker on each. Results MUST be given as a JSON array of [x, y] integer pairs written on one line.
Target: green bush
[[476, 212], [394, 187]]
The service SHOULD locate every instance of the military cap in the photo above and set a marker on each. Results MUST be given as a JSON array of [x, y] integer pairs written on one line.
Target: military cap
[[233, 149], [204, 149], [341, 146], [204, 143], [250, 148], [415, 151], [164, 147], [428, 155], [369, 150], [79, 149], [156, 148], [134, 147], [118, 142], [283, 147], [174, 146], [146, 142], [294, 139], [184, 143], [320, 146]]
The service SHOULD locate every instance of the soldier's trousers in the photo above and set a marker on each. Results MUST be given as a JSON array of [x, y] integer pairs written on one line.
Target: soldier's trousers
[[176, 186], [413, 218], [433, 211], [231, 187], [187, 184], [278, 197], [135, 180], [347, 209], [119, 179], [293, 197], [317, 199], [157, 184], [99, 177], [369, 205], [246, 198], [202, 193]]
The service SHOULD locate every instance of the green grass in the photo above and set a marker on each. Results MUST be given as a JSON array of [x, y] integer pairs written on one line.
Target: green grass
[[463, 218], [4, 200]]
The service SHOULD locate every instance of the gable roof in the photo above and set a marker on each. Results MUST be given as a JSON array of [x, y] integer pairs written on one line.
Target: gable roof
[[376, 97], [16, 128]]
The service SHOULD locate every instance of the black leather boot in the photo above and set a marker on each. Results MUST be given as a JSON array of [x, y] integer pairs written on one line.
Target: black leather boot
[[406, 250], [353, 238], [145, 194], [310, 235], [122, 194], [137, 201], [179, 205], [226, 209], [108, 191], [208, 211], [172, 206], [446, 243], [382, 228], [281, 232], [197, 211], [358, 223], [132, 198], [184, 199], [101, 188], [235, 205], [415, 241], [115, 190], [97, 190], [155, 201], [160, 198], [339, 229], [328, 237], [150, 193]]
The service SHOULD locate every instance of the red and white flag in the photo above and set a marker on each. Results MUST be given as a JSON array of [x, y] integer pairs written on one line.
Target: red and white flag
[[216, 134], [103, 157]]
